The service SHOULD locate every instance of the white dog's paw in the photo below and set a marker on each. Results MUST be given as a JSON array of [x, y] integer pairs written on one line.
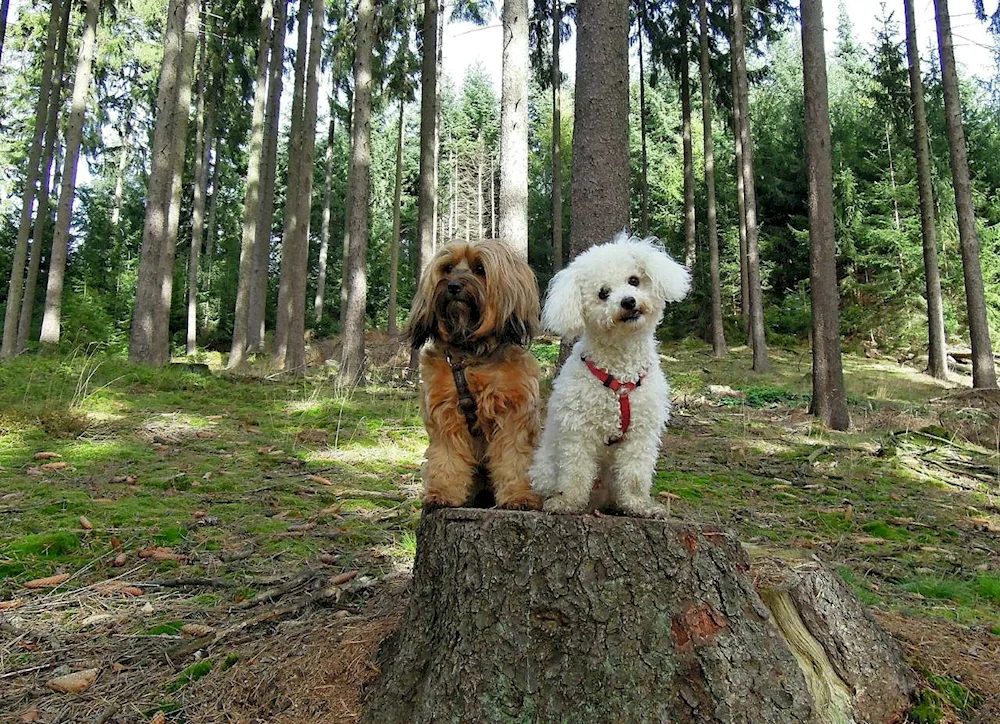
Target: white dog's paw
[[644, 509], [559, 504]]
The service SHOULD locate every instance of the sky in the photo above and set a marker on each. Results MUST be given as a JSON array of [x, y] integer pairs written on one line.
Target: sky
[[465, 44]]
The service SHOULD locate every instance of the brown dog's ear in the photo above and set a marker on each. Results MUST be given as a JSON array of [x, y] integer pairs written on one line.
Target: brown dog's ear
[[512, 307], [420, 325]]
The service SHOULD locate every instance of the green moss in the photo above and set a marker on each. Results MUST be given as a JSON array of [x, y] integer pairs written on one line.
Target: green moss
[[192, 673]]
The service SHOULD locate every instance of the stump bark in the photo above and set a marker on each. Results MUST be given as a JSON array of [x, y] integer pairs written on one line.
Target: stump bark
[[527, 617]]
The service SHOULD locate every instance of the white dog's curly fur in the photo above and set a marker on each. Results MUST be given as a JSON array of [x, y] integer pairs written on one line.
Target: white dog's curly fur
[[612, 296]]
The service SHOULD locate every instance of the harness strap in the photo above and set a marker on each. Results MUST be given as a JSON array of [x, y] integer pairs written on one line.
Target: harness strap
[[466, 402], [621, 389]]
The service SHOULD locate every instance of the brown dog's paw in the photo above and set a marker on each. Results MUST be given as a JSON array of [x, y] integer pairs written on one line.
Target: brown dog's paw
[[439, 500], [528, 500]]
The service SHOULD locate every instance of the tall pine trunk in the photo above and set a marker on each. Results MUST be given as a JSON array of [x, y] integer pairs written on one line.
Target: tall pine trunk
[[690, 252], [396, 224], [427, 191], [295, 358], [346, 246], [741, 209], [644, 177], [257, 303], [983, 369], [74, 137], [150, 338], [293, 189], [205, 129], [937, 364], [755, 293], [359, 178], [251, 200], [4, 7], [514, 127], [42, 216], [324, 231], [829, 399], [557, 213], [718, 331], [481, 150], [15, 289]]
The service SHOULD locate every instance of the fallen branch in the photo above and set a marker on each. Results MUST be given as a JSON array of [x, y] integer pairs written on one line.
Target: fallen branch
[[273, 594], [371, 494], [193, 581]]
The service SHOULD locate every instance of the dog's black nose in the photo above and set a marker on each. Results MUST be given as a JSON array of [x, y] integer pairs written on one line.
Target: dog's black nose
[[454, 287], [628, 303]]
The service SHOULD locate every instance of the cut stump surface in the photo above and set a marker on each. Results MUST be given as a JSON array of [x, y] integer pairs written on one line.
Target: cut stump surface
[[528, 617]]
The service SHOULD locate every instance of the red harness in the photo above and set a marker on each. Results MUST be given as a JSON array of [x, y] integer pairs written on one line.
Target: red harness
[[622, 389]]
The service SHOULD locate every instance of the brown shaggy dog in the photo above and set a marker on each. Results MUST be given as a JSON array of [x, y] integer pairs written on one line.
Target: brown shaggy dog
[[478, 305]]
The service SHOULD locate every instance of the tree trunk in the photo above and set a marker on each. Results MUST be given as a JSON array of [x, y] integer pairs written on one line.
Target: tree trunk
[[829, 400], [514, 127], [359, 178], [290, 345], [204, 123], [15, 289], [324, 231], [479, 188], [643, 132], [601, 173], [252, 200], [396, 225], [493, 198], [257, 305], [150, 339], [755, 294], [442, 19], [518, 617], [741, 209], [74, 137], [4, 7], [293, 189], [427, 191], [557, 213], [42, 216], [937, 364], [690, 252], [983, 369], [718, 330], [346, 250]]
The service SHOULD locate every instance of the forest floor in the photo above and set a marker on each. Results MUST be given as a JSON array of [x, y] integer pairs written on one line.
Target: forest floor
[[225, 548]]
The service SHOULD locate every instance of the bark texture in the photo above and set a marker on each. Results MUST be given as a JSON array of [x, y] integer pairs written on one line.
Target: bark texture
[[251, 200], [525, 617], [358, 184], [829, 399], [755, 293], [557, 212], [15, 287], [601, 173], [293, 190], [205, 130], [268, 170], [741, 209], [690, 249], [150, 339], [397, 222], [983, 369], [937, 363], [644, 177], [74, 137], [324, 231], [4, 7], [712, 227], [43, 216], [514, 127]]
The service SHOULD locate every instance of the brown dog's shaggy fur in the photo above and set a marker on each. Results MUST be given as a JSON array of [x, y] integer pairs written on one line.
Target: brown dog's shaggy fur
[[478, 305]]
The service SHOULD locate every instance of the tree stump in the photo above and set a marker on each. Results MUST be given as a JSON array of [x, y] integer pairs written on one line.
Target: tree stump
[[527, 617]]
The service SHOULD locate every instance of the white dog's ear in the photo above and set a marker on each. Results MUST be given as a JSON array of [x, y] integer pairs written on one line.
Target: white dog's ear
[[671, 281], [563, 311]]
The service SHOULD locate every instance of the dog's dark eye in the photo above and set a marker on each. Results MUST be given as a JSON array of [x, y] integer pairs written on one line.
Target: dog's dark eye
[[604, 293], [633, 280], [479, 270], [447, 268]]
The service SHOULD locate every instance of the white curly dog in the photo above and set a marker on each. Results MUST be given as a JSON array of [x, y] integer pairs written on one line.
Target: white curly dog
[[610, 403]]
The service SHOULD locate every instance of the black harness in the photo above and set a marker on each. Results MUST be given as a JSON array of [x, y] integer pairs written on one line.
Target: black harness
[[466, 401]]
